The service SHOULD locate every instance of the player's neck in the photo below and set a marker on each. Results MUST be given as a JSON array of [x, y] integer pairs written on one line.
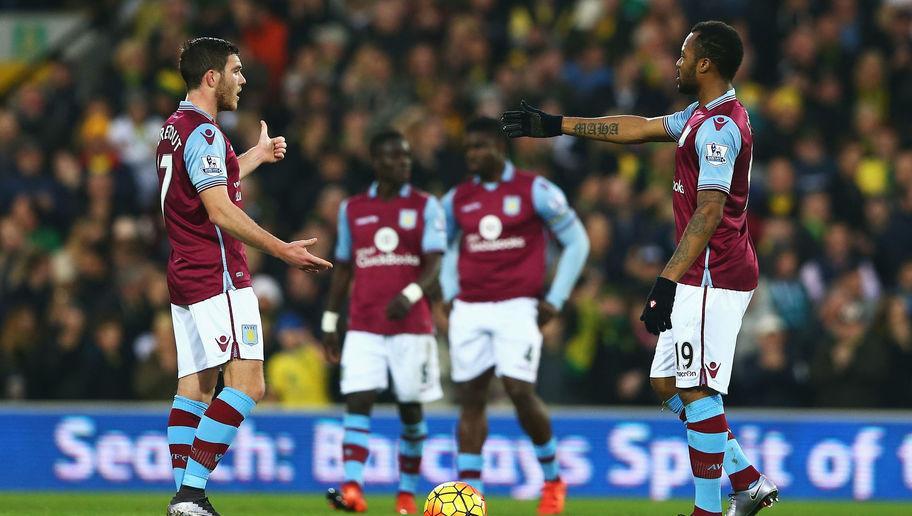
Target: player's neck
[[493, 175], [712, 91], [201, 101], [388, 190]]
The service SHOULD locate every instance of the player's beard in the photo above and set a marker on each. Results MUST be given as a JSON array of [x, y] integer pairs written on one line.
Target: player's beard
[[225, 96], [687, 82]]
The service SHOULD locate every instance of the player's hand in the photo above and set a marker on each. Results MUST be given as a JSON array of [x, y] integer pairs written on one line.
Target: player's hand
[[296, 254], [657, 312], [272, 149], [331, 349], [546, 312], [530, 121], [398, 308]]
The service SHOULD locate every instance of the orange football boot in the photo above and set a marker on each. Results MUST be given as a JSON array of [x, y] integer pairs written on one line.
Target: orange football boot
[[405, 503], [553, 496], [350, 499]]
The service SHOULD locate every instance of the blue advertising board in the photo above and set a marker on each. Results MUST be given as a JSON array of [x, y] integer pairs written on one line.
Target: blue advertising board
[[601, 453]]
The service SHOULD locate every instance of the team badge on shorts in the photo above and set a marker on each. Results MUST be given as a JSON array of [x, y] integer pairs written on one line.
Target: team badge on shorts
[[511, 205], [408, 219], [249, 334]]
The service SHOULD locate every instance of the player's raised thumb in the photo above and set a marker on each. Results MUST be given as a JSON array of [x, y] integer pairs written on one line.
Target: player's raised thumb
[[263, 131], [306, 243]]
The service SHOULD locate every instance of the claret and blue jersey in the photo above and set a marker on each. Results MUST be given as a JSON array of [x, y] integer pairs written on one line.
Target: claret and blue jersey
[[715, 152], [194, 155], [498, 243], [385, 240]]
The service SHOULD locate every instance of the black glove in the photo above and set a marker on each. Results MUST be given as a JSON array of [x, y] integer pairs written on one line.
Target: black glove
[[657, 312], [529, 121]]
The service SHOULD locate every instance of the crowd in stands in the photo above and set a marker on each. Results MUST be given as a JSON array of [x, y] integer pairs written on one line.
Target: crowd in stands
[[84, 309]]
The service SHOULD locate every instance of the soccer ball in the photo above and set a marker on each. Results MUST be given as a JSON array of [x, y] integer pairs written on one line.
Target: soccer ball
[[455, 499]]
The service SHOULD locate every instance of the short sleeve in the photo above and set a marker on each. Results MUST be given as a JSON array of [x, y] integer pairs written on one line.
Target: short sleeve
[[343, 237], [204, 157], [675, 122], [434, 239], [551, 204], [717, 144]]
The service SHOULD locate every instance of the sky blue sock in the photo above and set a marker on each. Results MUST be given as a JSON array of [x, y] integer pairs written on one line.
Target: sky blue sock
[[469, 467], [547, 457], [739, 468], [354, 446], [707, 435], [674, 404], [216, 431], [182, 423], [411, 445]]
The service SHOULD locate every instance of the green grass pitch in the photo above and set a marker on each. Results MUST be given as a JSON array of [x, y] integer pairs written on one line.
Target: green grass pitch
[[85, 504]]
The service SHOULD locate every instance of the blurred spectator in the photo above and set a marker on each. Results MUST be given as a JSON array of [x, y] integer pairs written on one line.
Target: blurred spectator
[[848, 369], [107, 370], [135, 135], [16, 335], [155, 375], [786, 292], [82, 254], [771, 376], [296, 375]]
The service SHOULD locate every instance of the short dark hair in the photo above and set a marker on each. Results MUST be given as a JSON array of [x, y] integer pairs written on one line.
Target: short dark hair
[[386, 135], [720, 43], [486, 125], [199, 55]]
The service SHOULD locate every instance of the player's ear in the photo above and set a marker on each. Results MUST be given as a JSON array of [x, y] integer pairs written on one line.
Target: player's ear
[[211, 78], [703, 65]]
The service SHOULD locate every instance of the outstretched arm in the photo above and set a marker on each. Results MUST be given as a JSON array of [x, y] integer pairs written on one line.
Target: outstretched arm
[[530, 121], [227, 216], [267, 150], [617, 129]]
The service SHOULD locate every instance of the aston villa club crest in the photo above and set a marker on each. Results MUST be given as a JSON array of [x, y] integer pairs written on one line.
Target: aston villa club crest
[[408, 219], [511, 205], [249, 334]]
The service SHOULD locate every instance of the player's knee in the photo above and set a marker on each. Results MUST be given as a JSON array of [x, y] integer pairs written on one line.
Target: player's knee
[[410, 413], [257, 391], [472, 407], [359, 403], [253, 388], [520, 393]]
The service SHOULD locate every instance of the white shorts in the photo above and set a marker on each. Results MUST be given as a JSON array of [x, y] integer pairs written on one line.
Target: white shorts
[[502, 334], [699, 349], [213, 331], [368, 359]]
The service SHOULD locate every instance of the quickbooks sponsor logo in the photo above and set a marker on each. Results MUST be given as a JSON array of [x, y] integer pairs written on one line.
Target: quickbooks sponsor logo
[[368, 257], [476, 244]]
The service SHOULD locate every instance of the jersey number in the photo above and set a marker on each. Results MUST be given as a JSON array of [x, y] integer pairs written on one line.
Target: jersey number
[[165, 163], [686, 354]]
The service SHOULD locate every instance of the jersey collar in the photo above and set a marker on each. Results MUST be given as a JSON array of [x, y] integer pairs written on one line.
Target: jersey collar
[[509, 171], [725, 97], [403, 192], [186, 105]]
